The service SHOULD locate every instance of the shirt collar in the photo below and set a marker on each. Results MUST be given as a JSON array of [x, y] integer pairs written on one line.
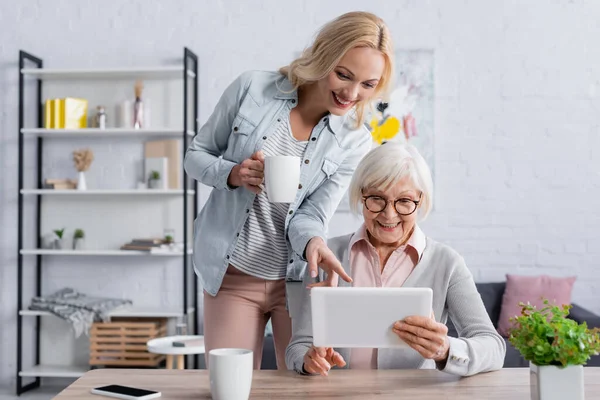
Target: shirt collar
[[417, 240]]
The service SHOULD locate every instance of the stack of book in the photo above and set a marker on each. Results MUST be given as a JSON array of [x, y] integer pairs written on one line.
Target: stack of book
[[60, 184], [143, 244]]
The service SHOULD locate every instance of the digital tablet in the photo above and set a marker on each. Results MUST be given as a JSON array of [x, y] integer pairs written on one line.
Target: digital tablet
[[364, 316]]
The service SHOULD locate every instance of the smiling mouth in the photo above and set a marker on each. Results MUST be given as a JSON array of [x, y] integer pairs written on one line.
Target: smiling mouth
[[341, 102], [388, 226]]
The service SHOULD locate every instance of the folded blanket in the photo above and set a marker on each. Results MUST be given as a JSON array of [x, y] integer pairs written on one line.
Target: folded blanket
[[76, 308]]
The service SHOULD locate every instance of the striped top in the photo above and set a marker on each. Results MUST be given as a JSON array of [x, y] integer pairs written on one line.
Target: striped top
[[261, 250]]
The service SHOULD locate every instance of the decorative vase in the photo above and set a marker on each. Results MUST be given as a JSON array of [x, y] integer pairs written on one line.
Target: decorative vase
[[78, 244], [81, 185], [549, 382]]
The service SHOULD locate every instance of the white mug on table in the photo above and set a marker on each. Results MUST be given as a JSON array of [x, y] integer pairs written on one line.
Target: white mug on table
[[230, 373]]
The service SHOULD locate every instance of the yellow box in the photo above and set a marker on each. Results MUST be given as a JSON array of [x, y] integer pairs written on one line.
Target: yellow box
[[74, 113]]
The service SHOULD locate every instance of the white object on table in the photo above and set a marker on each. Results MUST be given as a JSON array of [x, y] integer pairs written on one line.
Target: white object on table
[[230, 373], [164, 345]]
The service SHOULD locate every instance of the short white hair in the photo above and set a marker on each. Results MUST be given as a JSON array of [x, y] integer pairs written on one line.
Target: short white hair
[[387, 164]]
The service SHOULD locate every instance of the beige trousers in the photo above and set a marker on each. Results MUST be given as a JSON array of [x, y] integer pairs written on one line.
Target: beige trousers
[[236, 317]]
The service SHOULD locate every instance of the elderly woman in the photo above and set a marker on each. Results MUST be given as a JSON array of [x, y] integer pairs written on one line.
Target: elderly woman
[[393, 187]]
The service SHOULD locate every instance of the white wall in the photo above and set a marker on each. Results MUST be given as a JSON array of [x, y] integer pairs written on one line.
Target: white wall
[[516, 115]]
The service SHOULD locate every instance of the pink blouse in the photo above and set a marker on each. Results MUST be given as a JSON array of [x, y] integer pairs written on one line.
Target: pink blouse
[[366, 272]]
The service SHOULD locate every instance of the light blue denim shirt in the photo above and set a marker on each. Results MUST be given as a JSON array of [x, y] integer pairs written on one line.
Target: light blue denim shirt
[[242, 120]]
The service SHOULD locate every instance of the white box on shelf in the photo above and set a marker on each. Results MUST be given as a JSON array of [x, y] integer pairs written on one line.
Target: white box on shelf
[[160, 164]]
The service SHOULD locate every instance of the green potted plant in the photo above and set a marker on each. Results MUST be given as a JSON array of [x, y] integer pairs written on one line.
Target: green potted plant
[[556, 347], [78, 239], [58, 240], [154, 181]]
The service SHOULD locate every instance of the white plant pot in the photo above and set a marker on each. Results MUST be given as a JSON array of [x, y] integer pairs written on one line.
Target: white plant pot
[[78, 244], [155, 184], [549, 382], [81, 185], [59, 243]]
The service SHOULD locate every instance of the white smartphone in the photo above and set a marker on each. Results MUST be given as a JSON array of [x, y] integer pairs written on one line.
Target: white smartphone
[[125, 392]]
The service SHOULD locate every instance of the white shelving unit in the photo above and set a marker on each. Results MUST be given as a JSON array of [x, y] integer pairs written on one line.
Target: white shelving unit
[[139, 312], [54, 371], [185, 72], [113, 133], [102, 253], [146, 73], [106, 192]]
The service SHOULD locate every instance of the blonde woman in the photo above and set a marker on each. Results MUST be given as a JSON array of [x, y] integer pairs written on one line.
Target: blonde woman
[[245, 247], [392, 189]]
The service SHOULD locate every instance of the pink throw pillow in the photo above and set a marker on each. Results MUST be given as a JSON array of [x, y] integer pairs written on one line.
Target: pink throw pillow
[[531, 289]]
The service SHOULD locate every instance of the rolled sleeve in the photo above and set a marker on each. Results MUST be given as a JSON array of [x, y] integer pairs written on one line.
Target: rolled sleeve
[[204, 156], [458, 358]]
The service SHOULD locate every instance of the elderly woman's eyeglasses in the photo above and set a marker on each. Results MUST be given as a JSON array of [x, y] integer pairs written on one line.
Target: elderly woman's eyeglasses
[[404, 206]]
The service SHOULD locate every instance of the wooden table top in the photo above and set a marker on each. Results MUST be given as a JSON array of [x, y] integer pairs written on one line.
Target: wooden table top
[[510, 383]]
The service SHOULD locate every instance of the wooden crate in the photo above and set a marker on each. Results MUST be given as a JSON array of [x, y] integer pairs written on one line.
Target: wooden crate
[[122, 342]]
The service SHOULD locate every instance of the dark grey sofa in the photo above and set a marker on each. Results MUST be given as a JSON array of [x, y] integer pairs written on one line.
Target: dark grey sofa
[[491, 294]]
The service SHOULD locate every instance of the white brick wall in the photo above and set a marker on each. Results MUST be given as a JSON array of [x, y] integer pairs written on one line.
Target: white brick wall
[[518, 177]]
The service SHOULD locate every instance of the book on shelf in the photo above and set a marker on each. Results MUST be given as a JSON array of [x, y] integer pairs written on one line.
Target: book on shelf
[[149, 240], [143, 244], [60, 184]]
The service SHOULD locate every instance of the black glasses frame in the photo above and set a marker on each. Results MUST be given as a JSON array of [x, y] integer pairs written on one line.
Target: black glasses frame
[[416, 202]]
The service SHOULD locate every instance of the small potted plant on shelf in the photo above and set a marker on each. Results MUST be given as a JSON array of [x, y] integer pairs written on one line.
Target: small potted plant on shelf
[[556, 347], [58, 240], [78, 239], [154, 181]]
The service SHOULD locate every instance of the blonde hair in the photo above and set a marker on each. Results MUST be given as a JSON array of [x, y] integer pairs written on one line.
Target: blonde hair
[[333, 41], [386, 165]]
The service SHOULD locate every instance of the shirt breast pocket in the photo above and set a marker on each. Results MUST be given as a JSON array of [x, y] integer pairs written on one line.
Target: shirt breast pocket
[[241, 132], [327, 169]]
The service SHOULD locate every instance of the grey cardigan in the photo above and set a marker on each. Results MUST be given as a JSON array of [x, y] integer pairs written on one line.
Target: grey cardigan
[[479, 348]]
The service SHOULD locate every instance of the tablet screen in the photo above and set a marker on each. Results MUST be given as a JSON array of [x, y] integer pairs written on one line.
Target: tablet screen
[[363, 317]]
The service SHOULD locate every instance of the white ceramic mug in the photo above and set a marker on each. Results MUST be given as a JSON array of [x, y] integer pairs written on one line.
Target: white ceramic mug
[[282, 177], [230, 373]]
